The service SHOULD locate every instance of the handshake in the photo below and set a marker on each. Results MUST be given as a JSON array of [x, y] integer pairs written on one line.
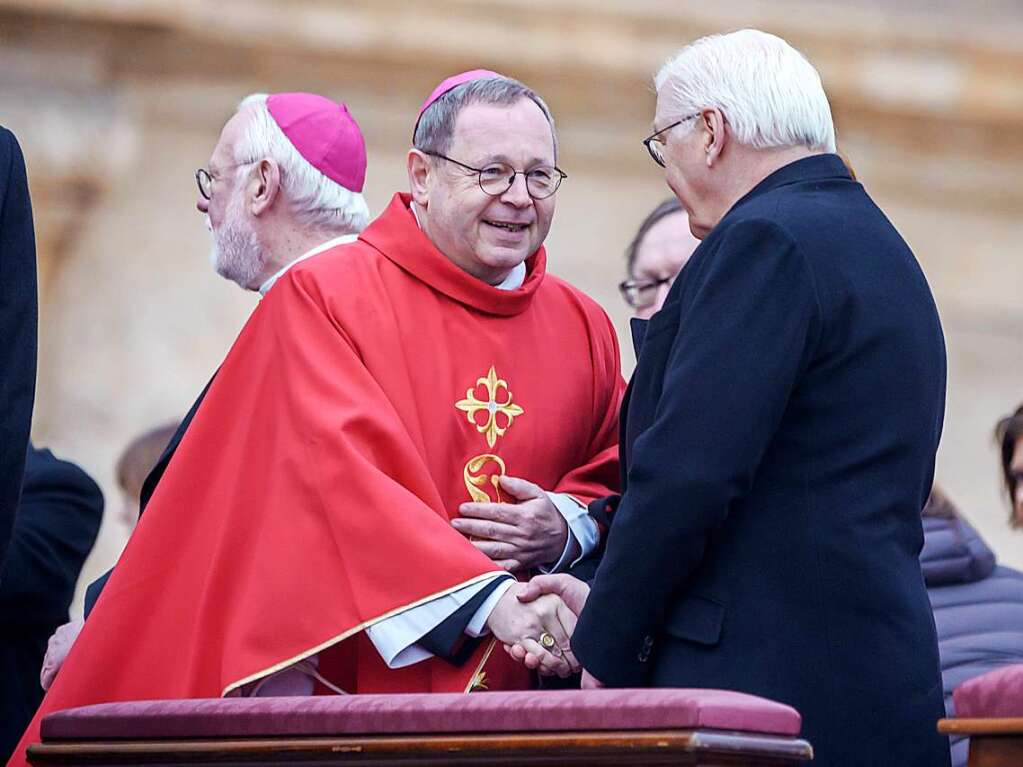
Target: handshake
[[535, 621]]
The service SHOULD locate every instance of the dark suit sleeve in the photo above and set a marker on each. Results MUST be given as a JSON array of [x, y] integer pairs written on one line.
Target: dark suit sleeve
[[601, 511], [18, 321], [746, 334], [449, 641], [58, 520]]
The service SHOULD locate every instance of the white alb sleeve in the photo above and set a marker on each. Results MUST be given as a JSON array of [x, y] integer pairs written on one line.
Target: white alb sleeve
[[396, 638]]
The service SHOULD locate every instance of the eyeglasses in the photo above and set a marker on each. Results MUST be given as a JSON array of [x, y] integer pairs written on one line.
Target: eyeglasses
[[205, 179], [654, 142], [641, 294], [497, 178]]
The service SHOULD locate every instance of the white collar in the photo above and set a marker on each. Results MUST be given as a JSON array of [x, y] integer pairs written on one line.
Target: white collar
[[514, 278], [342, 240]]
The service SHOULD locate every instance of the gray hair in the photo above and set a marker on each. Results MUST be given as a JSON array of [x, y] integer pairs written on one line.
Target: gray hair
[[317, 200], [771, 95], [437, 124]]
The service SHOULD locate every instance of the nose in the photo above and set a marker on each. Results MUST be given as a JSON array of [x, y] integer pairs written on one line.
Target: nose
[[202, 204], [517, 194]]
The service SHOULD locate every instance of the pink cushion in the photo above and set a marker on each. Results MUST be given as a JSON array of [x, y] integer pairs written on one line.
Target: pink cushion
[[424, 713], [997, 693]]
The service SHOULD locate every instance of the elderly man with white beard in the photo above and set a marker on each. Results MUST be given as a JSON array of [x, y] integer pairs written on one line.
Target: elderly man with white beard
[[283, 184]]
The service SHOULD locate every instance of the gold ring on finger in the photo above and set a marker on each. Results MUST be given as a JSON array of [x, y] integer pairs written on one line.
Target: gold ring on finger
[[547, 641]]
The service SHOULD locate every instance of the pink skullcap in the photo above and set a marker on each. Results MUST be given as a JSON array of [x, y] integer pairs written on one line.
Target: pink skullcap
[[449, 84], [324, 133]]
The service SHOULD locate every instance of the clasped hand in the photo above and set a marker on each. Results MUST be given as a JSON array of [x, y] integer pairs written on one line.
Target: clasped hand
[[527, 533], [556, 601], [541, 627]]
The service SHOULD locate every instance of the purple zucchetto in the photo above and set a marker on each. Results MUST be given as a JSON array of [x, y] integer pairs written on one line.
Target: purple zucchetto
[[450, 83], [324, 133]]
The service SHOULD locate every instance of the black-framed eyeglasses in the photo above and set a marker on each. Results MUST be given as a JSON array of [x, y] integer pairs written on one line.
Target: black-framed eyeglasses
[[497, 178], [204, 179], [654, 142], [640, 294]]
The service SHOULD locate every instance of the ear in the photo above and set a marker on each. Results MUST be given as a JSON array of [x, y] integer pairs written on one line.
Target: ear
[[419, 176], [715, 135], [263, 186]]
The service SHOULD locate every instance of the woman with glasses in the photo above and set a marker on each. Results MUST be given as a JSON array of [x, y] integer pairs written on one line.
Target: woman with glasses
[[657, 253]]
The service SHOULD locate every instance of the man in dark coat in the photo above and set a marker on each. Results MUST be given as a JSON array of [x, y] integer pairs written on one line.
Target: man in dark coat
[[779, 435], [18, 321], [55, 529]]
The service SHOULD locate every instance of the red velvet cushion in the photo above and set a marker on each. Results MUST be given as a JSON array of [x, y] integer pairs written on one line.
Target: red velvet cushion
[[424, 713], [997, 693]]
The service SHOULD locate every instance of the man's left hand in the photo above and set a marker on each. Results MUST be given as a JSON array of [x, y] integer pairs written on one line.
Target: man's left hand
[[517, 536]]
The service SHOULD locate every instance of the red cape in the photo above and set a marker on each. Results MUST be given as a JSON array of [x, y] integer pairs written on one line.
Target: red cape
[[312, 493]]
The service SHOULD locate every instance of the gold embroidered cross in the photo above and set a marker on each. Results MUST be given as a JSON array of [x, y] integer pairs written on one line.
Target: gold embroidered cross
[[471, 405]]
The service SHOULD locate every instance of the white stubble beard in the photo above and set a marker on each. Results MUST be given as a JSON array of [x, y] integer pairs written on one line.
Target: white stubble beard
[[236, 253]]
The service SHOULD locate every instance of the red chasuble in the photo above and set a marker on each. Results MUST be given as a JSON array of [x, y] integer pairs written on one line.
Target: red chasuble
[[375, 388]]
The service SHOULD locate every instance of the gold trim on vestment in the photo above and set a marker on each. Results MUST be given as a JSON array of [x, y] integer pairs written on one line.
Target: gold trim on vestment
[[361, 627]]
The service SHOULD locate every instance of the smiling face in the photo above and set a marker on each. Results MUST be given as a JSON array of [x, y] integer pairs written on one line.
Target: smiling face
[[486, 235]]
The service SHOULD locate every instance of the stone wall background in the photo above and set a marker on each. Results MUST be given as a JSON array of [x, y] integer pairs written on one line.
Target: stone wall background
[[117, 102]]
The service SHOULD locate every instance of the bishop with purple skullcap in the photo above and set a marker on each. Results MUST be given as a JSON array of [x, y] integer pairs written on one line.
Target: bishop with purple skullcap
[[324, 133]]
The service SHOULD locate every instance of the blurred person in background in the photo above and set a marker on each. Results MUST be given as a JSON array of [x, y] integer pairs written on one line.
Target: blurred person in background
[[977, 603], [18, 321], [56, 526], [135, 464], [1009, 434], [657, 253]]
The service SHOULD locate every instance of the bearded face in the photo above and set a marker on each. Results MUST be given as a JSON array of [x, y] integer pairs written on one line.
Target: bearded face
[[236, 253]]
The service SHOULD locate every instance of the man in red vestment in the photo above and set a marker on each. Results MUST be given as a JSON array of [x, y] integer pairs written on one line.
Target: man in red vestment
[[284, 183], [306, 513]]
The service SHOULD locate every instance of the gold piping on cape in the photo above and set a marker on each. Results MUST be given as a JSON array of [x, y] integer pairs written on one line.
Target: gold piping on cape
[[361, 627], [479, 669]]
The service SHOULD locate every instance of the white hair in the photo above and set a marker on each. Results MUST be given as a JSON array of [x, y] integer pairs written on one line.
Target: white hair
[[317, 200], [769, 93]]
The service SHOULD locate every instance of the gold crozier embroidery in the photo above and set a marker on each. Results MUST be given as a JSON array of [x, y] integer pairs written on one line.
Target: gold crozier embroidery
[[480, 472]]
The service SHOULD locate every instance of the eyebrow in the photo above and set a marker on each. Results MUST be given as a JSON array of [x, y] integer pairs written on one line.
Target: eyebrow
[[505, 159]]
